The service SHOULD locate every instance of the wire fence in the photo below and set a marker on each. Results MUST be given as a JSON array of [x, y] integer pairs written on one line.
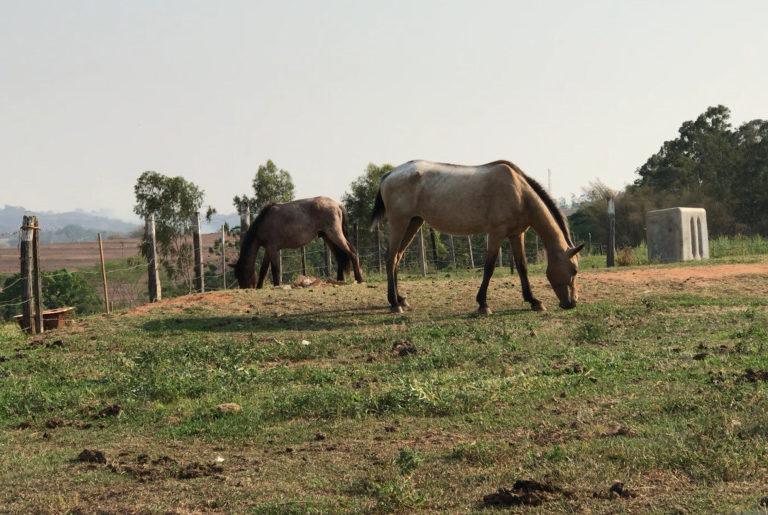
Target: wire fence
[[127, 277]]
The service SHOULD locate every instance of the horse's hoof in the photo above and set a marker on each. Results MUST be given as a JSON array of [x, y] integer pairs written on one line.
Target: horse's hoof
[[396, 309], [538, 307], [485, 310]]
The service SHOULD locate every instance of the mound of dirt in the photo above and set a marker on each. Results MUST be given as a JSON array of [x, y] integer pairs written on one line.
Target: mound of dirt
[[525, 492]]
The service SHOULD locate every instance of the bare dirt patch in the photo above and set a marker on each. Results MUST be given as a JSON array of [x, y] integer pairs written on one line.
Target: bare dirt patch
[[683, 273], [525, 492]]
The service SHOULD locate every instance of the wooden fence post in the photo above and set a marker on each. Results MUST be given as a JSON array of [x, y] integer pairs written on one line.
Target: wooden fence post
[[609, 259], [153, 270], [197, 240], [37, 280], [328, 260], [224, 258], [245, 218], [453, 250], [104, 277], [434, 246], [421, 252], [27, 232], [471, 258]]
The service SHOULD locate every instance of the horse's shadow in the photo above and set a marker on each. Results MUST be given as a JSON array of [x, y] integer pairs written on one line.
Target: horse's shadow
[[318, 320]]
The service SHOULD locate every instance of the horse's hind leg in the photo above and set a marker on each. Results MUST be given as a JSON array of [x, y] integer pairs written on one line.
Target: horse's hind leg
[[345, 253], [517, 244], [410, 232], [340, 258], [494, 243], [400, 236]]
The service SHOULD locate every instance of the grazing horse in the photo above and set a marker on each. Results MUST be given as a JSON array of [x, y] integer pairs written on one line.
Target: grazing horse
[[496, 198], [292, 225]]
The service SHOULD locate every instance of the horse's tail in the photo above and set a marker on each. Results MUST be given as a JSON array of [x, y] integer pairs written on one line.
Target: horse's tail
[[379, 209], [341, 257]]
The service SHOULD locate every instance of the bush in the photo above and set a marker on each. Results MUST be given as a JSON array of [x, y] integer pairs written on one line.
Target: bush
[[60, 289]]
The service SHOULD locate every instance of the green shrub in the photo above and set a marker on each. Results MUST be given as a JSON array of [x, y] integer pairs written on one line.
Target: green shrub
[[60, 289]]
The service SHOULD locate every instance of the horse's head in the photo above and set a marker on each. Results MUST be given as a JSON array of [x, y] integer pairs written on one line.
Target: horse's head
[[562, 268], [245, 275]]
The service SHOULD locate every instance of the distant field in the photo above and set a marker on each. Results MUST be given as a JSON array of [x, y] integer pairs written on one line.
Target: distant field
[[72, 256]]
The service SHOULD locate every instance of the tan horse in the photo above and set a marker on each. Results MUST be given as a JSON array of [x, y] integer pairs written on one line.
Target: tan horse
[[292, 225], [496, 198]]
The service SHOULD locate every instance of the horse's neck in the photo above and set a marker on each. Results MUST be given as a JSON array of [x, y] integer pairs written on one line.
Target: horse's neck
[[250, 249], [547, 228]]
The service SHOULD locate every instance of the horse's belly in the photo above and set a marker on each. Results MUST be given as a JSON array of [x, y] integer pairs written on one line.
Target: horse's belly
[[461, 224]]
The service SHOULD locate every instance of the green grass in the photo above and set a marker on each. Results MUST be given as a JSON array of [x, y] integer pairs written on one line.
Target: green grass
[[658, 385]]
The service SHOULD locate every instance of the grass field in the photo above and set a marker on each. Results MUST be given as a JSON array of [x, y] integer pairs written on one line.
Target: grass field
[[650, 396]]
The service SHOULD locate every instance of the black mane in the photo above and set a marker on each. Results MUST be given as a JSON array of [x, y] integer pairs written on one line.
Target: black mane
[[542, 193]]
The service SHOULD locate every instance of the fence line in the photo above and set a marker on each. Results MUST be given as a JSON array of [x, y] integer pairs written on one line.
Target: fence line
[[442, 253]]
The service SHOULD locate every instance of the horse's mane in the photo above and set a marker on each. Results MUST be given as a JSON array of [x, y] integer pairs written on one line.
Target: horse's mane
[[250, 234], [542, 193]]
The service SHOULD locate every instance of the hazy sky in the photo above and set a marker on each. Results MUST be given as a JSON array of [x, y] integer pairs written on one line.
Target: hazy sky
[[93, 93]]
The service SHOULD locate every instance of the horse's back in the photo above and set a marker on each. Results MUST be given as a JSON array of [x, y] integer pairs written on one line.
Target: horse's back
[[452, 198]]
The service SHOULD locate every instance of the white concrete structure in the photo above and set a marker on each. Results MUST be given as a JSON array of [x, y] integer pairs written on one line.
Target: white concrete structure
[[677, 234]]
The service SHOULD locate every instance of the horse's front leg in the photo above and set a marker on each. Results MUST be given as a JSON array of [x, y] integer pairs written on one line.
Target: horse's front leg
[[263, 272], [274, 257], [518, 243], [494, 243]]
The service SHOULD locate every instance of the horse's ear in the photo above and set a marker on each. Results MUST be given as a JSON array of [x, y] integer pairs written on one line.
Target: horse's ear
[[575, 250]]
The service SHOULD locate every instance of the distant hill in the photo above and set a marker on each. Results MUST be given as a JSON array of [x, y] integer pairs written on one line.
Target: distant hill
[[10, 220], [77, 226]]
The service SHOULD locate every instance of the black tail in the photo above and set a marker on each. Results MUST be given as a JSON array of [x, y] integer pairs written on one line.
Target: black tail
[[379, 209], [342, 258]]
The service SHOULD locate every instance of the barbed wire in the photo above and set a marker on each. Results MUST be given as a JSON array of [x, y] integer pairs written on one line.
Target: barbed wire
[[13, 302]]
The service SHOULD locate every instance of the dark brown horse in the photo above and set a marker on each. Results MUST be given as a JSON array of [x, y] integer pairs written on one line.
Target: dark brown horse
[[292, 225], [496, 198]]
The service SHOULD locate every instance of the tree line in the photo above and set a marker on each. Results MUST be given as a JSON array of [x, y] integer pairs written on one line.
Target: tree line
[[709, 164]]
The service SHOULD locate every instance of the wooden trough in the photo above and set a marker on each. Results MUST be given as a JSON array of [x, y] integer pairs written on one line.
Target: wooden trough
[[52, 318]]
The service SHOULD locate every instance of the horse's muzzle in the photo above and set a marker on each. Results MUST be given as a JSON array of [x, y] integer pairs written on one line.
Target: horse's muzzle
[[568, 305]]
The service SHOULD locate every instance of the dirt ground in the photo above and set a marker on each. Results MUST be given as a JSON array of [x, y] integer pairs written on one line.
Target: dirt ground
[[591, 281], [704, 272]]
